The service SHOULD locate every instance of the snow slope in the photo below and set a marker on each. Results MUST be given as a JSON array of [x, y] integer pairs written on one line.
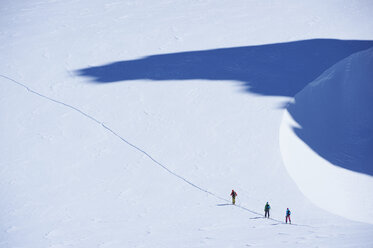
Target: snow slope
[[150, 162], [327, 136]]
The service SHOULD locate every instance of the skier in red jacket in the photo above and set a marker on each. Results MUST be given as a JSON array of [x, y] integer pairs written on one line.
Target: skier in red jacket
[[233, 194]]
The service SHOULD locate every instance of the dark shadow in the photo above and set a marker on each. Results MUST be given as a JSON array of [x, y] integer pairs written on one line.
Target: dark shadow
[[255, 218], [225, 204], [280, 69], [335, 114]]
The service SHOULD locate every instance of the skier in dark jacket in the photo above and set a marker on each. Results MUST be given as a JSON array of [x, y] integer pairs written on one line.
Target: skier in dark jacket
[[233, 194], [267, 207], [288, 216]]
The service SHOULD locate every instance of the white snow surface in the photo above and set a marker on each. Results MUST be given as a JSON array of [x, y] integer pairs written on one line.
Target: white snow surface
[[127, 123]]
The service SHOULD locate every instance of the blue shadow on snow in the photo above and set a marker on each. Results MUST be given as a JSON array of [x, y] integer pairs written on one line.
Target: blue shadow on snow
[[335, 114], [280, 69]]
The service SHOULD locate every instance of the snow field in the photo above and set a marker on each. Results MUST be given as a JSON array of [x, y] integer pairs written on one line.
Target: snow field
[[67, 181]]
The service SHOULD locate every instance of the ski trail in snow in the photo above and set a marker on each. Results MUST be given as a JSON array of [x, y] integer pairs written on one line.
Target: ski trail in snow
[[161, 165], [114, 133], [135, 147], [51, 99]]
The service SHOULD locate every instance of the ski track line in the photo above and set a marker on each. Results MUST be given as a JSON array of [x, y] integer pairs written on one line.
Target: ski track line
[[136, 147]]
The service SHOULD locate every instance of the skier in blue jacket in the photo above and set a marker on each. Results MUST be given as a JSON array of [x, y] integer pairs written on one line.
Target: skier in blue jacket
[[288, 216]]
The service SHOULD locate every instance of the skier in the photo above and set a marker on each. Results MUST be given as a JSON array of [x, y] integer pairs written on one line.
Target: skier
[[233, 194], [267, 207], [288, 216]]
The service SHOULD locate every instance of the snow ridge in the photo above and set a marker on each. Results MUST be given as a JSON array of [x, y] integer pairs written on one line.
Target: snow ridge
[[331, 138], [136, 147]]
